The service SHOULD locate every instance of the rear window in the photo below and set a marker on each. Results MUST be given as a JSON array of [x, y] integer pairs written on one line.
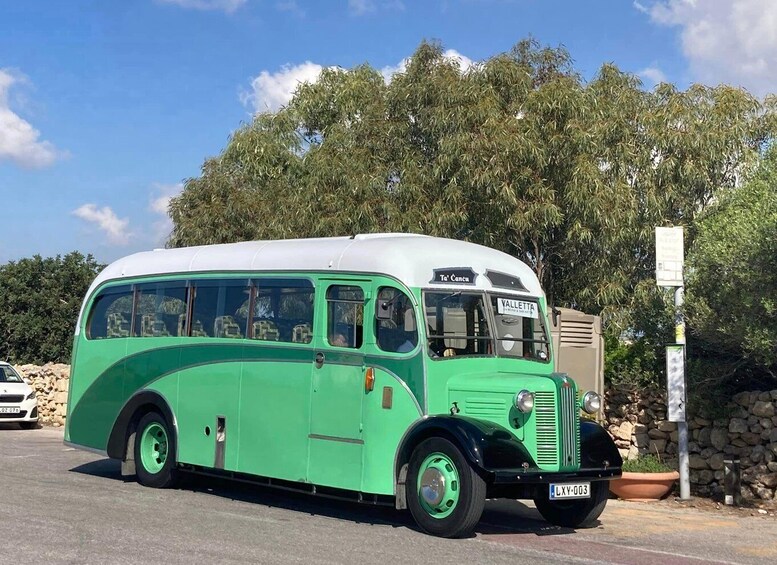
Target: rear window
[[111, 314]]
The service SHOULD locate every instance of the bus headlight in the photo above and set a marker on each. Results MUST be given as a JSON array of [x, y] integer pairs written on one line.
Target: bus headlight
[[592, 402], [524, 401]]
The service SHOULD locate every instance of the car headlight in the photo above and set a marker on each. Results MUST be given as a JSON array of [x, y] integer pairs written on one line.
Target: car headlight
[[30, 396], [592, 402], [524, 401]]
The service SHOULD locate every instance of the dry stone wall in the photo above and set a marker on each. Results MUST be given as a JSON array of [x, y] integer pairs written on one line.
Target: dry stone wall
[[637, 421], [50, 382]]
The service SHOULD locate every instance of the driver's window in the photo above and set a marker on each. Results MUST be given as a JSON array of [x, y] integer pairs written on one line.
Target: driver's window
[[395, 327], [345, 316]]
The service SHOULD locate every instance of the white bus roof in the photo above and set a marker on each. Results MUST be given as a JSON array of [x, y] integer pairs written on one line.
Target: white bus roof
[[415, 260], [410, 258]]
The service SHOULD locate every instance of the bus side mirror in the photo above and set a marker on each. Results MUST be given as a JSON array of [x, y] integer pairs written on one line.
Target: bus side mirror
[[383, 310], [556, 313]]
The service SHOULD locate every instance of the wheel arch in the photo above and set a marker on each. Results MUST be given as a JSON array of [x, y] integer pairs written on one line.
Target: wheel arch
[[139, 404], [485, 445]]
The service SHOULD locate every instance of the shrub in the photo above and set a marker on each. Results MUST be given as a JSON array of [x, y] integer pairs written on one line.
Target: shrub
[[646, 464]]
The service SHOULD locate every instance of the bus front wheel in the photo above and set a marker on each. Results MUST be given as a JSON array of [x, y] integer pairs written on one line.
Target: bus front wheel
[[155, 452], [580, 513], [444, 493]]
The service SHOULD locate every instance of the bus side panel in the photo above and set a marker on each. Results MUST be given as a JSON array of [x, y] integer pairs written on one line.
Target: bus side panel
[[388, 411], [274, 418], [207, 393], [96, 391]]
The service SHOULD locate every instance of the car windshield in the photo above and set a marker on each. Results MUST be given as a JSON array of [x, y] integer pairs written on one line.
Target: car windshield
[[459, 324], [8, 375]]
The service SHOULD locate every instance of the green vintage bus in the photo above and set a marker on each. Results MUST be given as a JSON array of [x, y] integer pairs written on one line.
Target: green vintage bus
[[390, 368]]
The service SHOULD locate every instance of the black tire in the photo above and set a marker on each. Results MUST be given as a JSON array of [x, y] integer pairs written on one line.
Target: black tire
[[28, 425], [167, 475], [471, 491], [580, 513]]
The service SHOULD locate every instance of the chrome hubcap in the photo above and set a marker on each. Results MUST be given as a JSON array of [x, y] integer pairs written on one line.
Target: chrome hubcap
[[432, 486]]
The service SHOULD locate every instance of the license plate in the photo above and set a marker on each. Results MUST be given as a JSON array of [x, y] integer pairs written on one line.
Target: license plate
[[9, 410], [565, 491]]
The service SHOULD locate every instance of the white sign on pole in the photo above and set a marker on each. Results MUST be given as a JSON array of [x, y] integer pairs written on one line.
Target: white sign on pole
[[669, 256], [675, 383]]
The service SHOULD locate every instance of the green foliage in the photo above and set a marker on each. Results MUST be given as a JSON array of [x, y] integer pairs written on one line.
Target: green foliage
[[517, 153], [39, 304], [646, 464], [732, 284]]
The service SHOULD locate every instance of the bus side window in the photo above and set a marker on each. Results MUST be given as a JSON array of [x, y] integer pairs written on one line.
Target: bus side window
[[221, 308], [395, 328], [345, 316], [111, 314], [283, 310], [159, 308]]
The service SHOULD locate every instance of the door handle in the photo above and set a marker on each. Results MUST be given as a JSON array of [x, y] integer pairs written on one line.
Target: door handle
[[319, 359]]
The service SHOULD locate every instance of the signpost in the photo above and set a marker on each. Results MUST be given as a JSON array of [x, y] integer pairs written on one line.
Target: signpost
[[669, 273]]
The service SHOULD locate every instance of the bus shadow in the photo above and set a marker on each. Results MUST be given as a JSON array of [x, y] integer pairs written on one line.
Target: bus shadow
[[503, 516], [500, 516]]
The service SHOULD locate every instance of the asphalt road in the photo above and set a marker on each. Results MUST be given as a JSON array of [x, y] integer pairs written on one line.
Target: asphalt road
[[59, 505]]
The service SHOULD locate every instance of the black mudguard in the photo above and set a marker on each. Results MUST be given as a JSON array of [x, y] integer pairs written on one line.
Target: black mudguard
[[597, 449], [488, 446], [129, 416]]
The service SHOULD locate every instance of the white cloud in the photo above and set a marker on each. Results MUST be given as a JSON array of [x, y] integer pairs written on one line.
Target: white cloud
[[653, 74], [19, 141], [269, 92], [731, 41], [363, 7], [227, 6], [115, 228], [159, 203], [451, 54], [291, 7]]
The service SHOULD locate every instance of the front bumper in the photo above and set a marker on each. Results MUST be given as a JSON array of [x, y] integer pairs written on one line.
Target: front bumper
[[534, 476], [28, 412]]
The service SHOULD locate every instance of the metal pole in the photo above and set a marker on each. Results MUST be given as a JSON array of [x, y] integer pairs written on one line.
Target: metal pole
[[682, 427]]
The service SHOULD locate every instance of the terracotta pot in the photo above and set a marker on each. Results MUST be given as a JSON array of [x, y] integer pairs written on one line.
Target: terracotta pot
[[643, 486]]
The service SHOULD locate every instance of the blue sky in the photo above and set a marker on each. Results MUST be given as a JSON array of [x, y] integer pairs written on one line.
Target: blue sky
[[106, 106]]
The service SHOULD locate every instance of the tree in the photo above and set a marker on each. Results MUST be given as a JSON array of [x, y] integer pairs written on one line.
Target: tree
[[732, 286], [39, 304], [517, 153]]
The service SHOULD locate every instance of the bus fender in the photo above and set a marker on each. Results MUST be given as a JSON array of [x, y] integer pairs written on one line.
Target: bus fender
[[597, 448], [124, 426], [487, 446]]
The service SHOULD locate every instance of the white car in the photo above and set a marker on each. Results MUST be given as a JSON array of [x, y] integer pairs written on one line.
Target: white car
[[17, 399]]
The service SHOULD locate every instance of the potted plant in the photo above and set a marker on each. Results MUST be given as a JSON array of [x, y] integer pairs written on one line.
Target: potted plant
[[644, 478]]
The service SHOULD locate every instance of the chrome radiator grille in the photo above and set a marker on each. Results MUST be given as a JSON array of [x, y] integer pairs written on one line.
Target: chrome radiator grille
[[547, 431], [570, 430], [558, 438]]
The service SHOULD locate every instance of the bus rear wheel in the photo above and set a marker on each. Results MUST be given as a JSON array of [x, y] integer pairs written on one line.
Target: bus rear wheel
[[155, 452], [581, 513], [444, 493]]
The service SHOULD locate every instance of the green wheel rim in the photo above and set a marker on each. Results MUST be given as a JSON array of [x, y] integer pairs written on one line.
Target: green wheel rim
[[438, 485], [153, 447]]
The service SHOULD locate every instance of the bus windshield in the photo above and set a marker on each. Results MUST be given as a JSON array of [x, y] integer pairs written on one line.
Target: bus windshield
[[520, 331], [459, 324]]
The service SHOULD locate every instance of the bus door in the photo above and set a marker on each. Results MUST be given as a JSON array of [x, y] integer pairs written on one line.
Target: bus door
[[338, 385]]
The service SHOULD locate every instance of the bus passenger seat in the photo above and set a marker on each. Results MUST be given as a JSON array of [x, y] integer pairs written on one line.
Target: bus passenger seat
[[118, 325], [301, 333], [198, 330], [225, 326], [266, 330]]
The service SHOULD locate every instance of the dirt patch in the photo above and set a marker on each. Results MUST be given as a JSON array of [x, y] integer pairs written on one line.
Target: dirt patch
[[764, 508]]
